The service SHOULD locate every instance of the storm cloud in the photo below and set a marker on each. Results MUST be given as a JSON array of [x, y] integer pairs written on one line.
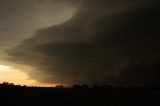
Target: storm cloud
[[106, 41]]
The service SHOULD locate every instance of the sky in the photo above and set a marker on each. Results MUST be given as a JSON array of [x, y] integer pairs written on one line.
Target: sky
[[90, 42]]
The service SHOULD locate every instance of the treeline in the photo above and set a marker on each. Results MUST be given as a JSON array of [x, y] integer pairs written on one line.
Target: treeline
[[77, 86], [85, 86], [94, 86], [8, 84]]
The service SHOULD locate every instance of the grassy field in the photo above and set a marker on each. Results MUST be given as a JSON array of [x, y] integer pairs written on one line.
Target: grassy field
[[27, 96]]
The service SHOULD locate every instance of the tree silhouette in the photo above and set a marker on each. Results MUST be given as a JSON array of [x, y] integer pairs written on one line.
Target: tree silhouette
[[95, 86], [84, 86], [59, 86], [7, 84], [76, 86], [107, 86], [80, 86]]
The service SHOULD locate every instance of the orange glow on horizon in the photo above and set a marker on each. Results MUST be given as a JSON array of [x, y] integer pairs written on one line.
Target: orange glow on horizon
[[13, 75]]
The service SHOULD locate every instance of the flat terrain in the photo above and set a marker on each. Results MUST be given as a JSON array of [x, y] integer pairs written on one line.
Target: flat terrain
[[14, 96]]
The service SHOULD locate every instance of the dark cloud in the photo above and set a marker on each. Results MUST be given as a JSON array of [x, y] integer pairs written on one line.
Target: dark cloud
[[19, 18], [105, 42]]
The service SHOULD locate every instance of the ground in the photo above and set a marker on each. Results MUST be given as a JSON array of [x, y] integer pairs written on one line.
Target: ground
[[25, 96]]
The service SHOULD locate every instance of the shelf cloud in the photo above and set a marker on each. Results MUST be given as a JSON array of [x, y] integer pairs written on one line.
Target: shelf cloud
[[105, 42]]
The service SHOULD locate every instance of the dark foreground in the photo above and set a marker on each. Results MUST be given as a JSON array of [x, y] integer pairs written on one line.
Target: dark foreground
[[78, 97]]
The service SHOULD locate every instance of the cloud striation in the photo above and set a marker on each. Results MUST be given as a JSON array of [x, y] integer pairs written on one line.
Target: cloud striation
[[107, 41]]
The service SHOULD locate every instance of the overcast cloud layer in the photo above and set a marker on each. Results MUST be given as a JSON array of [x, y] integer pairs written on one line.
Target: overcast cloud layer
[[106, 41]]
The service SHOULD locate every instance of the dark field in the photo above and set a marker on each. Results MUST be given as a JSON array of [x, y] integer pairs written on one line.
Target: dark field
[[78, 97]]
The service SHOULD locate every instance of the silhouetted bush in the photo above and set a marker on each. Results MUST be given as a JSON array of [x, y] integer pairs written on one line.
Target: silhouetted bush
[[84, 86], [95, 86], [80, 86], [76, 86], [59, 86], [107, 86], [6, 84], [102, 86]]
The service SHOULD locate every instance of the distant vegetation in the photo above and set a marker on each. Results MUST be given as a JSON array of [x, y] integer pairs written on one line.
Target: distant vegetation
[[75, 86], [8, 84], [77, 95]]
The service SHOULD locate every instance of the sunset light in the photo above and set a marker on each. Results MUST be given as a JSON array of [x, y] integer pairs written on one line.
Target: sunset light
[[79, 52], [13, 75], [4, 68]]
